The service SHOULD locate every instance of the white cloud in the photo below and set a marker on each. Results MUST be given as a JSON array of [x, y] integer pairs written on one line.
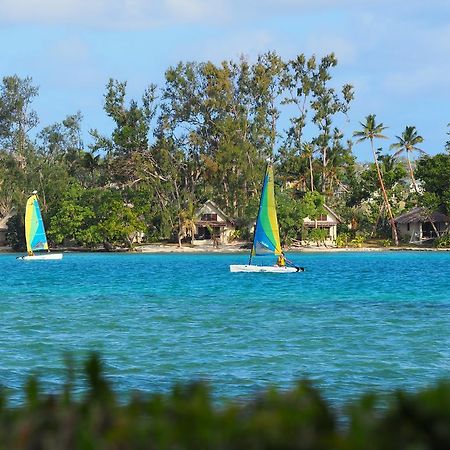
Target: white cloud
[[101, 14], [145, 14]]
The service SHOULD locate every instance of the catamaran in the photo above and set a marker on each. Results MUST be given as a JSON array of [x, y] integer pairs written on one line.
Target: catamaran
[[266, 240], [35, 233]]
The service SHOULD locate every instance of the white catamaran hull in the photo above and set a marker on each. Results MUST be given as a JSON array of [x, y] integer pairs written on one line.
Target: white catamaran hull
[[271, 269], [44, 256]]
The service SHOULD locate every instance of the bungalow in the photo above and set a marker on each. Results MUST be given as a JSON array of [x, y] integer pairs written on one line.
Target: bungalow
[[328, 221], [212, 223], [417, 225]]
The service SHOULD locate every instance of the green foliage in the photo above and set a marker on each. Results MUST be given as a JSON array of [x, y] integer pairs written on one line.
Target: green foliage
[[15, 236], [313, 205], [318, 235], [189, 417], [206, 134], [290, 216], [442, 241], [342, 240], [306, 85], [16, 116], [434, 174], [357, 241], [95, 216]]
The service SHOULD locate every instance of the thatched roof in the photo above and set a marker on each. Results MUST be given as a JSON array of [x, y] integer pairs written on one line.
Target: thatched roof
[[418, 214]]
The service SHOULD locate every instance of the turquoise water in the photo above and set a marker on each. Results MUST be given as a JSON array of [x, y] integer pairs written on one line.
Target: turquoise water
[[353, 322]]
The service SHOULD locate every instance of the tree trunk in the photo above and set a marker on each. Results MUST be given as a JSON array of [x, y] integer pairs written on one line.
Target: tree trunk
[[311, 174], [386, 200], [324, 178]]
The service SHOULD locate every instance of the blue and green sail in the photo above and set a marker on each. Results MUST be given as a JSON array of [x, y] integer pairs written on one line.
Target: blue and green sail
[[34, 227], [267, 236]]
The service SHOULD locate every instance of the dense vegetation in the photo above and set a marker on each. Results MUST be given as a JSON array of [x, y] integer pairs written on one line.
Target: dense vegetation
[[206, 133], [189, 417]]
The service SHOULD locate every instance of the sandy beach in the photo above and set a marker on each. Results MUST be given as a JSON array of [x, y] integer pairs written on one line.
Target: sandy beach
[[242, 247]]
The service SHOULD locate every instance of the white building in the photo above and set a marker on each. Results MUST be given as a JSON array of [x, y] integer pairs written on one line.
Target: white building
[[328, 221], [212, 223]]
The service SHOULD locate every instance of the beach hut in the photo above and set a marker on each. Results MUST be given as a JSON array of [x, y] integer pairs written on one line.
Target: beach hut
[[416, 225], [329, 221], [211, 223]]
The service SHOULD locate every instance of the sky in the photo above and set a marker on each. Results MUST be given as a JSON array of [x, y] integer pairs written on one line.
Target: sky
[[395, 53]]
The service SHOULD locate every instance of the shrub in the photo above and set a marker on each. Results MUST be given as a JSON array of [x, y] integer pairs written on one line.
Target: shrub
[[358, 241], [443, 241], [342, 239], [386, 242], [189, 418]]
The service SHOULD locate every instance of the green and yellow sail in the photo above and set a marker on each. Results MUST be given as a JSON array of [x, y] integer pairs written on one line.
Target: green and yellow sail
[[34, 227], [267, 236]]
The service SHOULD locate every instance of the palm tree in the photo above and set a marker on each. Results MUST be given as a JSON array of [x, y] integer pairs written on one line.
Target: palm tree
[[186, 223], [370, 131], [407, 143]]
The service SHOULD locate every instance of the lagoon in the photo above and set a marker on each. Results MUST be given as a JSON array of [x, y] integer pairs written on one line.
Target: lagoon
[[353, 322]]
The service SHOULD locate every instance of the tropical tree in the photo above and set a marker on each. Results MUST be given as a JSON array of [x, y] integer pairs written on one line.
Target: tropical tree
[[130, 162], [16, 116], [186, 223], [434, 174], [407, 143], [371, 130], [307, 86], [308, 149]]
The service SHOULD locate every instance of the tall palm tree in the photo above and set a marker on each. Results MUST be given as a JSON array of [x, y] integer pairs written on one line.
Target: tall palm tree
[[407, 143], [371, 130]]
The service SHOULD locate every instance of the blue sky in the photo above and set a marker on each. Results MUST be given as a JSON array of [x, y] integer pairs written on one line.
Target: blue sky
[[396, 53]]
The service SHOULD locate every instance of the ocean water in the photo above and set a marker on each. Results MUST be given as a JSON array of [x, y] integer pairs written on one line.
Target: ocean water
[[351, 323]]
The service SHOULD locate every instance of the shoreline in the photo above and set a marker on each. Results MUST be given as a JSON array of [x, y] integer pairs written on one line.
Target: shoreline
[[239, 247]]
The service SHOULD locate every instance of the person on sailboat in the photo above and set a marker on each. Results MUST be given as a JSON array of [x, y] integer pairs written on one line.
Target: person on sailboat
[[281, 261]]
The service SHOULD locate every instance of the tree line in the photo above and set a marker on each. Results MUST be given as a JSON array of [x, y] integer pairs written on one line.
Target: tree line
[[206, 133]]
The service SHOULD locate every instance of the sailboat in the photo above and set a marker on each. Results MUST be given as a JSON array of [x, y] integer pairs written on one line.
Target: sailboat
[[266, 240], [35, 233]]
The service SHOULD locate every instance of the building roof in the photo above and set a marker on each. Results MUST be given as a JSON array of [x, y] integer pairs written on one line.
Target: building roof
[[329, 211], [216, 208], [338, 218], [419, 214]]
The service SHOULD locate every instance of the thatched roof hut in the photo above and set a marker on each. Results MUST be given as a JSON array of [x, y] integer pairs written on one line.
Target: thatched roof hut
[[419, 214], [418, 225]]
